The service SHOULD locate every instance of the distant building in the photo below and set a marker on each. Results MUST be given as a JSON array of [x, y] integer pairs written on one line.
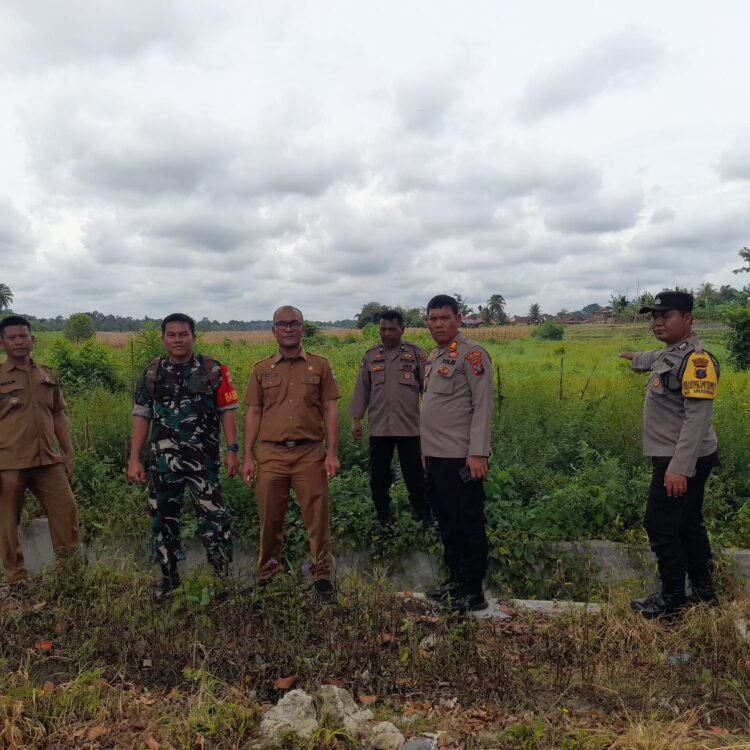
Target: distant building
[[471, 322]]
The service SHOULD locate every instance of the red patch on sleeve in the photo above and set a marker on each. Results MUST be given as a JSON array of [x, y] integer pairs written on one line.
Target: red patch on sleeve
[[227, 394], [475, 360]]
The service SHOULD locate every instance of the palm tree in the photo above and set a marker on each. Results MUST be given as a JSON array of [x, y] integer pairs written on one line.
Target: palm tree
[[496, 308], [706, 293], [619, 303], [6, 297], [535, 313]]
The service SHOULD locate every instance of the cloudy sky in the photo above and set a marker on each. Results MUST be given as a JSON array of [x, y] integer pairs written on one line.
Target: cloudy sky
[[221, 158]]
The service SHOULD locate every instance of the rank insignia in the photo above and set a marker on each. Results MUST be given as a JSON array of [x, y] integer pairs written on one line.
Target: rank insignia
[[378, 368], [682, 346], [475, 360], [444, 371], [407, 355], [453, 346], [656, 382]]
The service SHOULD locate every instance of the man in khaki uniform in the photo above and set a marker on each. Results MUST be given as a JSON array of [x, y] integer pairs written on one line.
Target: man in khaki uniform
[[388, 387], [682, 445], [32, 415], [291, 406], [455, 429]]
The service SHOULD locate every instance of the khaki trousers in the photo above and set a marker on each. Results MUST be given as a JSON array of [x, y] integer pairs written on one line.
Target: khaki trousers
[[49, 484], [280, 469]]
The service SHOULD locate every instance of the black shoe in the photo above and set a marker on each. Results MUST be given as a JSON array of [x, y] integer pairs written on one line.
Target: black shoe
[[466, 602], [325, 591], [443, 591], [702, 592], [167, 587], [658, 605]]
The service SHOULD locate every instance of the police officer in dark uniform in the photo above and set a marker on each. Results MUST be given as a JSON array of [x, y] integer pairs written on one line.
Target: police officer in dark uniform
[[455, 430], [682, 445], [388, 388]]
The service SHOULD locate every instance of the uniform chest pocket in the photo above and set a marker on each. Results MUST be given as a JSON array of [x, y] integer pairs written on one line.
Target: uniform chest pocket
[[660, 377], [12, 396], [377, 374], [311, 378], [270, 380], [198, 384], [407, 375], [440, 383]]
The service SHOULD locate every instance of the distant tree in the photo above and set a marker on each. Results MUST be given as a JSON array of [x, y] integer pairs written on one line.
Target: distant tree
[[591, 309], [707, 294], [563, 313], [484, 314], [739, 337], [311, 330], [79, 327], [549, 331], [370, 313], [535, 313], [463, 307], [728, 294], [619, 303], [496, 309], [414, 317], [6, 297], [745, 255]]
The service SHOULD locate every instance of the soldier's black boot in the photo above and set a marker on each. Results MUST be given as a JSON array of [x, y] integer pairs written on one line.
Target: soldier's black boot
[[667, 604], [443, 590], [170, 581], [702, 590], [466, 598]]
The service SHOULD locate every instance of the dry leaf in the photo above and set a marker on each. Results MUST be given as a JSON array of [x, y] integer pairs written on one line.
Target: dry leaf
[[284, 683], [44, 645], [367, 699], [384, 638], [96, 732], [718, 730], [151, 743], [78, 733], [48, 686]]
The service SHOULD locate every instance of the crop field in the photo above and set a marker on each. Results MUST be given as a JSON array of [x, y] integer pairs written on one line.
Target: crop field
[[88, 660]]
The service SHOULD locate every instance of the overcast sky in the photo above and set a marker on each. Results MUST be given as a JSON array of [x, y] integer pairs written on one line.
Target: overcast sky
[[222, 158]]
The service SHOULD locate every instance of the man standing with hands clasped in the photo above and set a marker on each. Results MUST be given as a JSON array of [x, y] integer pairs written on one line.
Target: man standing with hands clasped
[[682, 445], [390, 381], [455, 433], [291, 406]]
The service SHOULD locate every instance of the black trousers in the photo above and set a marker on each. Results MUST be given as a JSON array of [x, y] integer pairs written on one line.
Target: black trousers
[[675, 525], [381, 477], [459, 510]]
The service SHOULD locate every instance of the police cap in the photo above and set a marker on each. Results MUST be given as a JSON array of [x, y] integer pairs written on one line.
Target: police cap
[[670, 301]]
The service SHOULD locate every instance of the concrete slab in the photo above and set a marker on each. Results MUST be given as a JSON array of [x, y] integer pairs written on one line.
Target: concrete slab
[[555, 608]]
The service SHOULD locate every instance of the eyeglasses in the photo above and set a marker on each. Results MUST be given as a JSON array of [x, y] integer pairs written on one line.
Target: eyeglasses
[[280, 325]]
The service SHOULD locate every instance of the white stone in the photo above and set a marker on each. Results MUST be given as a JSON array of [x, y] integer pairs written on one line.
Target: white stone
[[385, 736], [295, 713], [336, 708]]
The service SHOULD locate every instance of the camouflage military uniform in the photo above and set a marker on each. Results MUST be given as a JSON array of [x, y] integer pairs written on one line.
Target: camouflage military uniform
[[184, 402]]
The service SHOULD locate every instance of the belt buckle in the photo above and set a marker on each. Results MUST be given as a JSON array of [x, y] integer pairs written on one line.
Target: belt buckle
[[290, 444]]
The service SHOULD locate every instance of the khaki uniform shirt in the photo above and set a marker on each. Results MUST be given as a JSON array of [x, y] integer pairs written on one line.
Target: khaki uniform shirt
[[28, 402], [457, 408], [679, 403], [291, 393], [388, 388]]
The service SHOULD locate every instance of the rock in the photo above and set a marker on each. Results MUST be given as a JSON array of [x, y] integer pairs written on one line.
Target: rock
[[420, 743], [295, 713], [336, 708], [385, 736]]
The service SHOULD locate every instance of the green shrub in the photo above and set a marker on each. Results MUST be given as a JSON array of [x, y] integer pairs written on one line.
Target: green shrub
[[79, 327], [738, 340], [85, 367], [549, 331]]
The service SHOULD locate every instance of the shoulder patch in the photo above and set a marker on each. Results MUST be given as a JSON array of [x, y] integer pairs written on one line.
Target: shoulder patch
[[700, 379], [475, 360]]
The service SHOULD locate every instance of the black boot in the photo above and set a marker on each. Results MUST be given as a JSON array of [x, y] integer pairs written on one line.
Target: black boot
[[466, 599], [670, 602], [702, 590], [170, 581], [443, 590]]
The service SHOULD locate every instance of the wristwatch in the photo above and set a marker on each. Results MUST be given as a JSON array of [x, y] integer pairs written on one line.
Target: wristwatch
[[233, 447]]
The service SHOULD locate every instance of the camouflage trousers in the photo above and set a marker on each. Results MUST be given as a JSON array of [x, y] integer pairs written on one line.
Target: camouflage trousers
[[165, 497]]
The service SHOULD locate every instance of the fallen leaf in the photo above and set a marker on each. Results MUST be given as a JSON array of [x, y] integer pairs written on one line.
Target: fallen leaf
[[384, 638], [284, 683], [402, 681], [151, 743], [96, 732], [367, 699], [335, 681], [718, 730], [44, 645], [48, 686], [78, 733]]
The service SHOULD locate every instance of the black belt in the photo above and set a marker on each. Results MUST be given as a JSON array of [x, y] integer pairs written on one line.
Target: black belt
[[288, 443]]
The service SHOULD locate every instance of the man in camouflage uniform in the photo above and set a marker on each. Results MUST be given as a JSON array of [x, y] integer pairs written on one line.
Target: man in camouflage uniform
[[681, 443], [186, 398]]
